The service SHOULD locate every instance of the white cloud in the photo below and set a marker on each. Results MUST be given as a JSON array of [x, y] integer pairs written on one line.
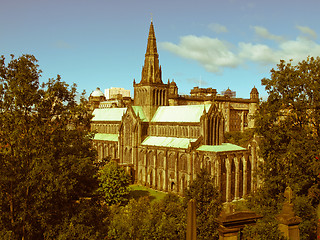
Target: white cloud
[[212, 53], [299, 49], [308, 31], [257, 53], [218, 28], [264, 33], [215, 55]]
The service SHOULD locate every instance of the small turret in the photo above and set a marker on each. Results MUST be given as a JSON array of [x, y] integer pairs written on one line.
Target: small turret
[[229, 93], [254, 94], [173, 89], [253, 106], [95, 98], [97, 93]]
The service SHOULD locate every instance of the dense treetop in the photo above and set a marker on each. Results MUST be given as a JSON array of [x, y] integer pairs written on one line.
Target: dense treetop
[[288, 123], [45, 152]]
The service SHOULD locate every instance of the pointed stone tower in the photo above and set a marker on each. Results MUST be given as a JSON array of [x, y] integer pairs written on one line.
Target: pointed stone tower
[[151, 71], [151, 92]]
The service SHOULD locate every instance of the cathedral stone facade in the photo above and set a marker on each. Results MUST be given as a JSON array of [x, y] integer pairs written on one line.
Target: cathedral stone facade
[[165, 138]]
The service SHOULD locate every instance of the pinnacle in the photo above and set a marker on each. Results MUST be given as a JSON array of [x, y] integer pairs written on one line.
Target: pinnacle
[[152, 45], [151, 71]]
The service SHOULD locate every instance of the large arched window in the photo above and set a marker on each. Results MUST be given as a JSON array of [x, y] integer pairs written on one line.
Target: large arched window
[[241, 177], [172, 161], [223, 179], [160, 160], [197, 164], [183, 163], [233, 178], [141, 157], [249, 175], [150, 158]]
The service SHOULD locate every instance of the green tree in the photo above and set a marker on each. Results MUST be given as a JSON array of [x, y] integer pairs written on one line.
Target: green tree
[[304, 209], [143, 219], [131, 221], [240, 138], [90, 220], [264, 229], [114, 183], [289, 124], [208, 202], [45, 151], [168, 219]]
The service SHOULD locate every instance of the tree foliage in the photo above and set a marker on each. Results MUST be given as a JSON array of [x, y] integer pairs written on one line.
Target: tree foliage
[[168, 219], [304, 209], [208, 202], [289, 124], [114, 183], [265, 229], [142, 219], [89, 220], [240, 138], [45, 151], [130, 221]]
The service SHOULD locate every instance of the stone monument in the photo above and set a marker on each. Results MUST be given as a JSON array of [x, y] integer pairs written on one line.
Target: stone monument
[[288, 222], [191, 221]]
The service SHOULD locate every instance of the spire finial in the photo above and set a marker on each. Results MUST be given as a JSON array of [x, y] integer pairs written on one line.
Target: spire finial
[[151, 17]]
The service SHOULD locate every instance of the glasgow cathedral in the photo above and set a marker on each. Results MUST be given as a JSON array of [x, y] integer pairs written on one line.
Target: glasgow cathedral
[[164, 138]]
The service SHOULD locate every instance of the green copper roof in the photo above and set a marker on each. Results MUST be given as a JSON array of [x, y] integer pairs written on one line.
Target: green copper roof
[[224, 147], [108, 114], [168, 142], [106, 137], [185, 113], [139, 111]]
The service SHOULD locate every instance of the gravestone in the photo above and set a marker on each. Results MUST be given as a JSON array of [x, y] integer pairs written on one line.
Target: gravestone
[[191, 221], [288, 221], [231, 224]]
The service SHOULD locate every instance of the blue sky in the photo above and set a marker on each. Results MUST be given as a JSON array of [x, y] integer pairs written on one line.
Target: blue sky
[[207, 43]]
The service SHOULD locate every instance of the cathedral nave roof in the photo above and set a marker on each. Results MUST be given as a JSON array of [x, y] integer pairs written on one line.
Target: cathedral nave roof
[[182, 113], [106, 137], [108, 114], [224, 147], [171, 142]]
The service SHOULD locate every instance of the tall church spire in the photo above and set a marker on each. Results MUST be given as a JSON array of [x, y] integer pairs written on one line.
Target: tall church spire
[[151, 92], [151, 71]]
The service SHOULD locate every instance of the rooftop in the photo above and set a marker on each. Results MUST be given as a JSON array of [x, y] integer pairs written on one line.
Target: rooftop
[[171, 142], [224, 147], [183, 113], [97, 93], [106, 137], [108, 114], [139, 112]]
